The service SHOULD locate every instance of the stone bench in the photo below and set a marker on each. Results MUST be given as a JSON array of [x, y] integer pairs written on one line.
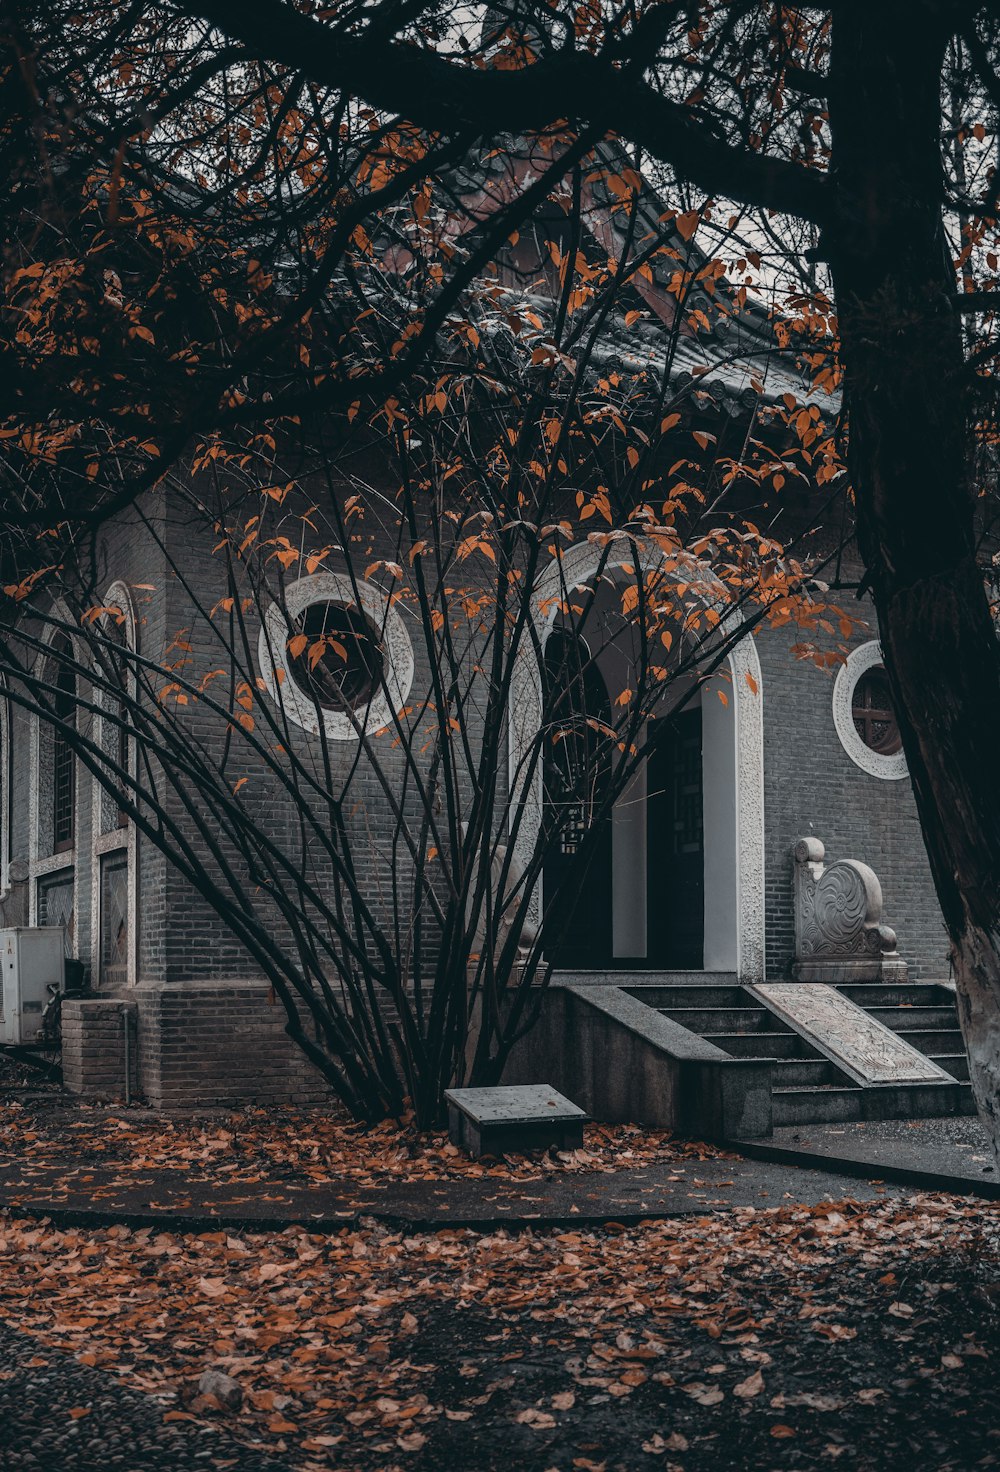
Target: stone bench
[[521, 1117]]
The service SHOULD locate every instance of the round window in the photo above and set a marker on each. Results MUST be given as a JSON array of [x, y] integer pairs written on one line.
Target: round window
[[336, 654], [874, 717], [864, 717]]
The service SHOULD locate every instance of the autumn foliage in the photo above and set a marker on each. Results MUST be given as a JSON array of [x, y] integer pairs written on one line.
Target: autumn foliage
[[291, 336]]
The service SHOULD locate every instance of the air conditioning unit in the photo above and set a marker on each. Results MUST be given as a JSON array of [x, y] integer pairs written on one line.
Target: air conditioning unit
[[32, 961]]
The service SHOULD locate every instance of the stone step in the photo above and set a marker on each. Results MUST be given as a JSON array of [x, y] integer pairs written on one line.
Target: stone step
[[815, 1106], [721, 1019], [914, 1019], [893, 994], [669, 997], [762, 1044], [645, 978], [797, 1073], [957, 1064], [878, 1101], [934, 1040]]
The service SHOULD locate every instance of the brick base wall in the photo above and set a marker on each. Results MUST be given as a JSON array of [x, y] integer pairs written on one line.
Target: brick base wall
[[211, 1043], [93, 1046]]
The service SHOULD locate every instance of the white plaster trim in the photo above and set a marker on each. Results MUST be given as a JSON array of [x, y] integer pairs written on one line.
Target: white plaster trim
[[875, 763], [118, 595], [397, 653], [576, 565]]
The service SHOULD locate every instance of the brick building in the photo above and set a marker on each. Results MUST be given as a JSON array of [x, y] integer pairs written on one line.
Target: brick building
[[794, 752]]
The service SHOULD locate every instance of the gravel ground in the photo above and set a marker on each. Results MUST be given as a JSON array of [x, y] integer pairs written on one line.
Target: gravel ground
[[961, 1131], [122, 1430], [955, 1147]]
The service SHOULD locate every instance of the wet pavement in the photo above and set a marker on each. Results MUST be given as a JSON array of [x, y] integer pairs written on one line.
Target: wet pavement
[[950, 1154]]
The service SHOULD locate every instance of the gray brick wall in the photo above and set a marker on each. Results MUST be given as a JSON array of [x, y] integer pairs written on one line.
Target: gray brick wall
[[206, 1030], [813, 788], [213, 1044], [93, 1046]]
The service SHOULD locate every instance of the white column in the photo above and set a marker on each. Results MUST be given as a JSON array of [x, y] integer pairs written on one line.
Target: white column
[[628, 869], [718, 746]]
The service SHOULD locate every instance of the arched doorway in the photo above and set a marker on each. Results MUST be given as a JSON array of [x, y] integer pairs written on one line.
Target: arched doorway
[[686, 839]]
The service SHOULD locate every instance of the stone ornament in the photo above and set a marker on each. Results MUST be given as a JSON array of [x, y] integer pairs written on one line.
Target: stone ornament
[[891, 768], [499, 859], [388, 697], [865, 1049], [839, 934]]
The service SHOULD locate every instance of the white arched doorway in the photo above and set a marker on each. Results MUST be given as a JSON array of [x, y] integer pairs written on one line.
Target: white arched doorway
[[732, 785]]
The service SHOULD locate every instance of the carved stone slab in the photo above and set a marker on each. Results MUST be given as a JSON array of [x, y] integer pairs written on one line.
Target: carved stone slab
[[867, 1050]]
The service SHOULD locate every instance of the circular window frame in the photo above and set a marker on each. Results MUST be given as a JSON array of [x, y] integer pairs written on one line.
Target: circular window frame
[[876, 764], [397, 653]]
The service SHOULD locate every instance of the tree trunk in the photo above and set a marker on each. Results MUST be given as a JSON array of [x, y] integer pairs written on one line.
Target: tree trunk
[[910, 401]]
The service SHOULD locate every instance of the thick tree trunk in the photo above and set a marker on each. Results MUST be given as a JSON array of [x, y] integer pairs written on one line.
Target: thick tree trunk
[[910, 403]]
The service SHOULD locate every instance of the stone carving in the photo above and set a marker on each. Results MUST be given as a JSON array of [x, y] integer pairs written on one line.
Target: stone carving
[[866, 1050], [839, 934], [515, 874]]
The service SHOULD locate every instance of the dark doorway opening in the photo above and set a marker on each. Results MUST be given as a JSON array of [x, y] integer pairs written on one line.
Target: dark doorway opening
[[576, 771], [675, 847]]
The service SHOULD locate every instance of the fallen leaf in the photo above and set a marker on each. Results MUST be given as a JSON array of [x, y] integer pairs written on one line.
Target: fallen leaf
[[537, 1420], [751, 1386]]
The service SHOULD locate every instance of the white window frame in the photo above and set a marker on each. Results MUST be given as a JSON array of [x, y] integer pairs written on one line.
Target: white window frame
[[298, 705], [876, 763]]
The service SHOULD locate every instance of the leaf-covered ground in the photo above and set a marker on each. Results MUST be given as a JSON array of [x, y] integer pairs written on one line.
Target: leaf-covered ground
[[860, 1334], [314, 1146]]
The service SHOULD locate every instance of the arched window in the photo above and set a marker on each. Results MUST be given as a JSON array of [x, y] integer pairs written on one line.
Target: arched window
[[5, 784], [114, 889], [113, 682], [62, 675]]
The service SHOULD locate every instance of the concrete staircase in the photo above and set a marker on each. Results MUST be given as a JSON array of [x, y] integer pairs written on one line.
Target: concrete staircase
[[806, 1087]]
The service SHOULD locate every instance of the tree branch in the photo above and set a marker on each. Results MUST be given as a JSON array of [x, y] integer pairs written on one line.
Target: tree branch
[[445, 95]]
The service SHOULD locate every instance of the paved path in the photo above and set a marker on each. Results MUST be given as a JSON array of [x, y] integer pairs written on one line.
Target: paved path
[[92, 1196], [43, 1393], [951, 1154]]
